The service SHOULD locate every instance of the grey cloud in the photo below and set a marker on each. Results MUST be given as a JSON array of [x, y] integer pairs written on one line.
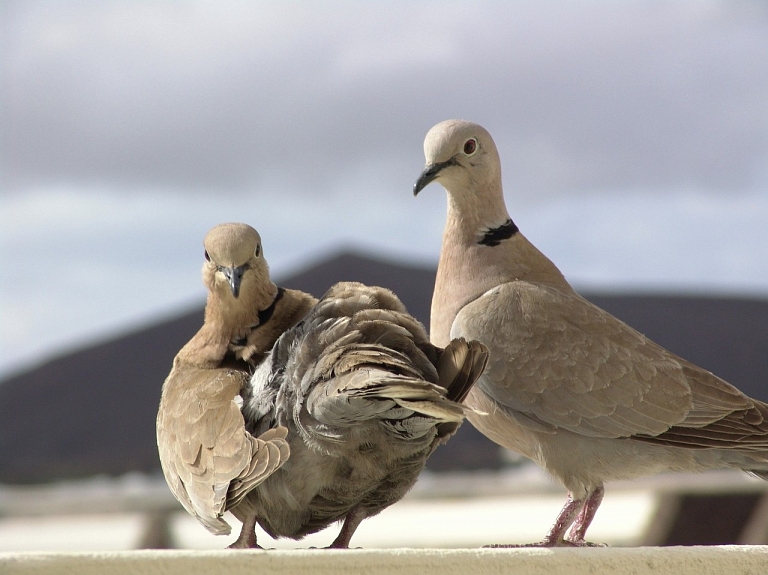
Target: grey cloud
[[579, 97], [142, 124]]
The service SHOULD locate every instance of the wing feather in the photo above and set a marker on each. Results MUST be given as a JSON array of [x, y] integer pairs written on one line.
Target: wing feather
[[557, 359]]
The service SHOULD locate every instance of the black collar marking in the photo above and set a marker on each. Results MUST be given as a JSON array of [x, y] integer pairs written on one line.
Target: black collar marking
[[264, 316], [494, 236]]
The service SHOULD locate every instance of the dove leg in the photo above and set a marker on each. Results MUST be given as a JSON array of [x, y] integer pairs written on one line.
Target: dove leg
[[247, 537], [565, 518], [586, 515], [351, 522], [555, 537]]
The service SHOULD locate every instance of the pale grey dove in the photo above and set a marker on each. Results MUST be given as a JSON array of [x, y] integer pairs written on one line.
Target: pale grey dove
[[208, 458], [366, 399], [568, 385]]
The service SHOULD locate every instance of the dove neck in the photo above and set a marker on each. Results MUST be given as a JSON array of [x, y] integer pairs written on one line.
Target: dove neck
[[287, 311], [470, 265], [234, 316]]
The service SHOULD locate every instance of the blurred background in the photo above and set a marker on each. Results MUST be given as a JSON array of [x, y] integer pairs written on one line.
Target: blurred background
[[634, 145]]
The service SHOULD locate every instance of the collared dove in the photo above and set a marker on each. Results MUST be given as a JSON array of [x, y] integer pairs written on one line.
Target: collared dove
[[568, 385], [208, 458], [366, 399]]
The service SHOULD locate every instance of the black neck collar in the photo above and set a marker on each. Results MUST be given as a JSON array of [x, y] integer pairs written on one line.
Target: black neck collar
[[266, 313], [494, 236]]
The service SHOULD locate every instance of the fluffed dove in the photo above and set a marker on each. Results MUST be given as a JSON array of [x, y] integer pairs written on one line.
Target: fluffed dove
[[366, 399], [568, 385], [208, 458]]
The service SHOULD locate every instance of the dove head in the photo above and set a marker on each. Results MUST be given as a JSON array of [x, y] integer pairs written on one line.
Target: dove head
[[463, 158], [234, 262]]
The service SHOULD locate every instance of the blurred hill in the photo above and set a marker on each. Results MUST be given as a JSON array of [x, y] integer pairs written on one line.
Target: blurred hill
[[93, 411]]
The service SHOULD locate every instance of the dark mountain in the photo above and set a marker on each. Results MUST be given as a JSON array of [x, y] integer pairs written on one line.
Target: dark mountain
[[93, 411]]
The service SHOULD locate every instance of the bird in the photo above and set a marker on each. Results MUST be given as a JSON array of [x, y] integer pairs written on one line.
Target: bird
[[569, 386], [366, 398], [209, 460]]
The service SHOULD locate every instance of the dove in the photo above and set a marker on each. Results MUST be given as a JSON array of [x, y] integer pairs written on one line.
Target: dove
[[209, 460], [366, 398], [569, 386]]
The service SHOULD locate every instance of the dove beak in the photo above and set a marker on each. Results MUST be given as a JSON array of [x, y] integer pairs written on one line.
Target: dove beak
[[429, 174], [234, 276]]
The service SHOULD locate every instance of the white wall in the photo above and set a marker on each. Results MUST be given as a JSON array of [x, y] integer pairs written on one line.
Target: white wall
[[730, 560]]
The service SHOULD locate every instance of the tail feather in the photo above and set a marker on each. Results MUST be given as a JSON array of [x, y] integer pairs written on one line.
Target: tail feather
[[412, 393], [760, 474], [459, 367]]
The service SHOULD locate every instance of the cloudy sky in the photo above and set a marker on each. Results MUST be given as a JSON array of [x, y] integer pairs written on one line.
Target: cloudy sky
[[633, 136]]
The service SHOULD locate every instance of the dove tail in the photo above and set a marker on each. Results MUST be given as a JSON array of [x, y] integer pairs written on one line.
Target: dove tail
[[762, 474], [460, 365]]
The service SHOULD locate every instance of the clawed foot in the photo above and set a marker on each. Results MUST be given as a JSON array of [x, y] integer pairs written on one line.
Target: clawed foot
[[524, 545], [247, 537], [546, 543], [245, 541], [583, 543], [238, 545], [351, 521], [577, 514]]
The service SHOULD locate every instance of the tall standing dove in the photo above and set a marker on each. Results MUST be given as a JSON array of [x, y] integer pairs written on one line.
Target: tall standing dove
[[568, 385], [209, 460], [366, 399]]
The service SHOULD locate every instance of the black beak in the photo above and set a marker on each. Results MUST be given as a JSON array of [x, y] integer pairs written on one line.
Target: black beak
[[429, 174], [234, 276]]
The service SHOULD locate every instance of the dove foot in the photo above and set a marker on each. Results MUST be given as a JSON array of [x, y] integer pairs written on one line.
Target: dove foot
[[546, 543], [576, 512], [516, 545], [254, 546], [583, 543], [578, 531], [247, 537], [351, 522]]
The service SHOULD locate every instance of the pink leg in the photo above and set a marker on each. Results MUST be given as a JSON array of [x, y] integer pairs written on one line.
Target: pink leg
[[555, 536], [247, 538], [580, 526], [351, 522]]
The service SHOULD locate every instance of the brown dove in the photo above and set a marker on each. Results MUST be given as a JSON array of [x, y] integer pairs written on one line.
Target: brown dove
[[208, 458], [568, 385], [365, 398]]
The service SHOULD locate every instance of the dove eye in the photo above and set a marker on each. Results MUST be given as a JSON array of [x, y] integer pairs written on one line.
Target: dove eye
[[207, 257], [257, 253], [470, 146]]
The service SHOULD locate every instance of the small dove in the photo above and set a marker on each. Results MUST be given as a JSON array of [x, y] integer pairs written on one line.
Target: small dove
[[209, 459]]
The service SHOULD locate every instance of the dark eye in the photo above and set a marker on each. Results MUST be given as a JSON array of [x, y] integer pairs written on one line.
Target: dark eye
[[257, 253], [207, 257], [470, 146]]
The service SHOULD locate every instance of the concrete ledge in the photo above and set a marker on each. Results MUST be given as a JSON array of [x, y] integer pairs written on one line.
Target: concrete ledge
[[726, 560]]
